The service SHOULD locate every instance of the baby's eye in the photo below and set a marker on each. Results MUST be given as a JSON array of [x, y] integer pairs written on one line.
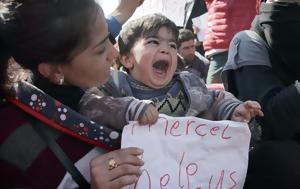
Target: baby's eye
[[153, 41], [173, 45]]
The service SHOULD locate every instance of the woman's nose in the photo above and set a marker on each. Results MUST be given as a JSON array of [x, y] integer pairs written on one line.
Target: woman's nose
[[113, 52]]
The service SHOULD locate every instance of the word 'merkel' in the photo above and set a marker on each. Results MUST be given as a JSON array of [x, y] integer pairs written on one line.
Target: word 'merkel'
[[190, 127]]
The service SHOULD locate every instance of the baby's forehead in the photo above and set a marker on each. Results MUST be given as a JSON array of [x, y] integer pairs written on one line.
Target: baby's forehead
[[159, 35]]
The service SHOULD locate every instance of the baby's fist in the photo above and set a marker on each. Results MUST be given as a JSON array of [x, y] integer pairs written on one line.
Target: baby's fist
[[246, 111]]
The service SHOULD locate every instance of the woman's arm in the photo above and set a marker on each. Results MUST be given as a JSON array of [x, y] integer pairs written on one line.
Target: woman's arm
[[280, 104], [248, 75]]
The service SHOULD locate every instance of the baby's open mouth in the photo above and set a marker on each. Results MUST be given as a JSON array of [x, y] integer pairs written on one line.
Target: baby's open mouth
[[161, 66]]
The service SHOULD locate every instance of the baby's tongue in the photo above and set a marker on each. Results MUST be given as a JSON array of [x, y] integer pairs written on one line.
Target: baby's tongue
[[159, 70], [160, 67]]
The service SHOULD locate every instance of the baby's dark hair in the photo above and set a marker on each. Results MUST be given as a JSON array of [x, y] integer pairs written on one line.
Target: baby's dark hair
[[143, 27]]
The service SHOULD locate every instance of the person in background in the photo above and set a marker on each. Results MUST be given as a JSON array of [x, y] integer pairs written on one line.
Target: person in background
[[191, 59], [225, 18], [263, 65], [194, 8], [64, 46], [148, 51]]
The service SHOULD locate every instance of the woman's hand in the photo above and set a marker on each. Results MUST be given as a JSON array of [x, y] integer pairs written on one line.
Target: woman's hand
[[116, 169], [150, 116], [246, 111]]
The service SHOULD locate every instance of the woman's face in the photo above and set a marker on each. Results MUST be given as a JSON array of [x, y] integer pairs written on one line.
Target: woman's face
[[91, 67]]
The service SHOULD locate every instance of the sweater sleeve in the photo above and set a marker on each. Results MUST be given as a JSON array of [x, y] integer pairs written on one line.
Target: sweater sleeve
[[203, 102], [226, 107], [220, 109], [107, 110], [114, 27]]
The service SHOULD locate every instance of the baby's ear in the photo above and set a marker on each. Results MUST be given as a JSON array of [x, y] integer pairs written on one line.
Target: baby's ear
[[127, 61]]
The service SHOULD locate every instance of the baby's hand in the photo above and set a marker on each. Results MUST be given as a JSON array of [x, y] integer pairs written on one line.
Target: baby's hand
[[150, 116], [246, 111]]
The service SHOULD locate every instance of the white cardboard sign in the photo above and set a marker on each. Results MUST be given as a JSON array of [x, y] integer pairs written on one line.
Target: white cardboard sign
[[189, 152], [201, 23], [173, 9]]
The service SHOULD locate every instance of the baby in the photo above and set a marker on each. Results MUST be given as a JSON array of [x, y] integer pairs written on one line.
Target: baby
[[149, 85]]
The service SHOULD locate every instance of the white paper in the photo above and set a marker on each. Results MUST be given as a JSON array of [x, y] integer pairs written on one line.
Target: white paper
[[173, 9], [108, 6], [201, 23], [189, 152]]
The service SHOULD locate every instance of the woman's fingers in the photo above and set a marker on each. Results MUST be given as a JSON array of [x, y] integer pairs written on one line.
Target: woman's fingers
[[116, 169], [124, 181], [116, 178], [128, 155], [123, 170]]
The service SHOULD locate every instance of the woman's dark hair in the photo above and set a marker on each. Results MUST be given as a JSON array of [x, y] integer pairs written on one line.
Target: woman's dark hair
[[36, 31], [143, 27]]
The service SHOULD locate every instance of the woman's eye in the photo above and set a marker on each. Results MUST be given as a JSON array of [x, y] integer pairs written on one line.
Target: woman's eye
[[101, 51]]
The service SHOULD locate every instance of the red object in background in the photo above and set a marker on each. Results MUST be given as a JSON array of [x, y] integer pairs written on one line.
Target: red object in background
[[216, 86]]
